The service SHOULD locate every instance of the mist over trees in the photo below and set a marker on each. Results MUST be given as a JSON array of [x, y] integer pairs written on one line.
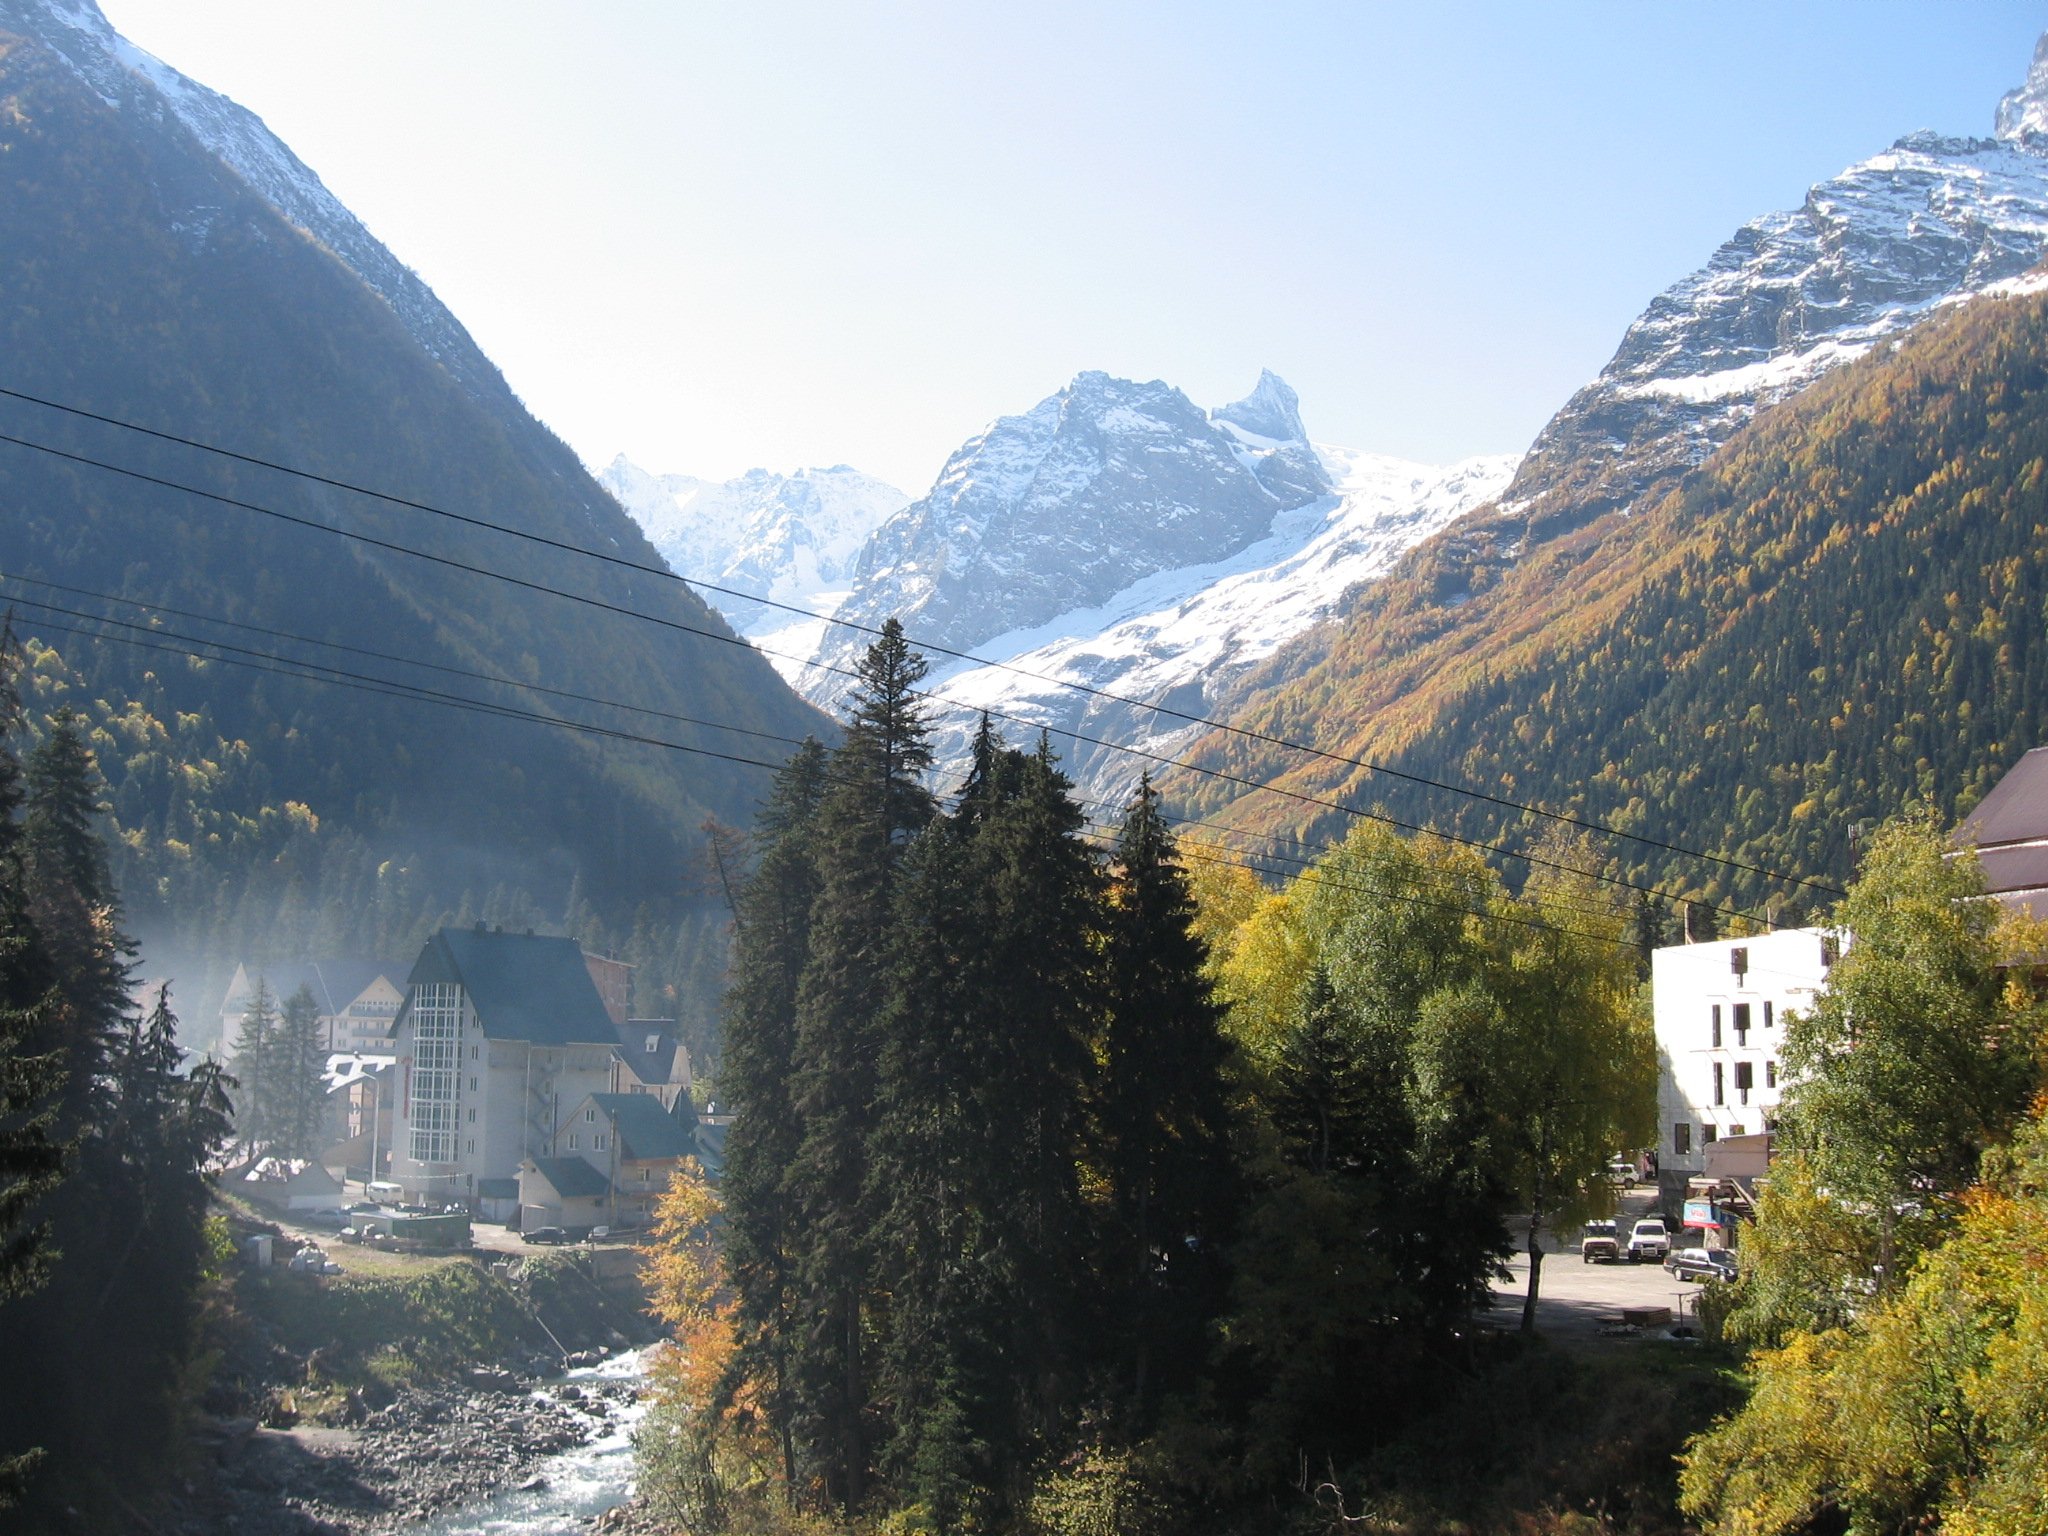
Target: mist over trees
[[104, 1147]]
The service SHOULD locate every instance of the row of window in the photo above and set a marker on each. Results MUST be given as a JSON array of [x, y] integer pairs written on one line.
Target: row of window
[[1741, 1021], [1745, 1080]]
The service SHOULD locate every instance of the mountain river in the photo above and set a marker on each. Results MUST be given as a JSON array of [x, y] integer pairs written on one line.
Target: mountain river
[[577, 1484]]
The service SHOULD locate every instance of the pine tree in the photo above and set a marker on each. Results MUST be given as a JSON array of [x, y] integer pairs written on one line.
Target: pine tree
[[1161, 1111], [32, 1160], [72, 903], [772, 917], [256, 1060], [874, 807], [297, 1101]]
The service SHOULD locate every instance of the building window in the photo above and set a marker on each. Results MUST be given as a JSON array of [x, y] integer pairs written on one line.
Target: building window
[[472, 1117], [1770, 1014], [472, 1144], [1830, 951], [472, 1053], [1742, 1023], [645, 1175], [472, 1085], [1720, 1092], [1681, 1138], [1738, 960], [599, 1142], [1770, 1074], [1734, 1130], [436, 1021], [1715, 1041], [1708, 1135], [590, 1114], [653, 1044], [1744, 1079], [572, 1141]]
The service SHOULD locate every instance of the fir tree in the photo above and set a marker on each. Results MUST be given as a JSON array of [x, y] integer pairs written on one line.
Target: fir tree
[[296, 1099], [772, 917], [1161, 1109], [874, 806], [72, 903], [256, 1059]]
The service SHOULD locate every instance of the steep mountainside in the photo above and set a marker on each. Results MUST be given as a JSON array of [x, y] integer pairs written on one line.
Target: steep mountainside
[[1868, 257], [151, 279], [1841, 612], [1097, 487], [793, 538], [1180, 638]]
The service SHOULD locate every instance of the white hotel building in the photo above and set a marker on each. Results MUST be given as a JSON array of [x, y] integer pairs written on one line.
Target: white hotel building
[[1720, 1020]]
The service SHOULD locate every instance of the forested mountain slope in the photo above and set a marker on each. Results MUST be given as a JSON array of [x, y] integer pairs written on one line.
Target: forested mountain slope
[[148, 279], [1843, 609]]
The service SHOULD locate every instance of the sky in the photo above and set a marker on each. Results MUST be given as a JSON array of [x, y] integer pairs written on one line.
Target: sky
[[713, 236]]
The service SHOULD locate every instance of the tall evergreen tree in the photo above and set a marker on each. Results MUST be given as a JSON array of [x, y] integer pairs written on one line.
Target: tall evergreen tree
[[1161, 1109], [256, 1060], [32, 1160], [297, 1101], [72, 902], [874, 806], [772, 918], [984, 1072]]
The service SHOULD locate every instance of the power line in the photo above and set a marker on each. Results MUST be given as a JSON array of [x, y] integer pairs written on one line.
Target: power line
[[362, 682], [1219, 774], [1205, 722]]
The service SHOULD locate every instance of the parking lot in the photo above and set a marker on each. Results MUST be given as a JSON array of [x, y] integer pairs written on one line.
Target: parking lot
[[1579, 1300]]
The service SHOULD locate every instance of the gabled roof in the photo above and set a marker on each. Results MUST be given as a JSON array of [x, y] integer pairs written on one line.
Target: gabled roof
[[2016, 810], [646, 1131], [523, 986], [572, 1177], [334, 983], [653, 1066], [710, 1148]]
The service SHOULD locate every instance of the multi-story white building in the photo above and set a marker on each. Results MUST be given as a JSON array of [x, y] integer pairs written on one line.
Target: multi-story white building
[[500, 1036], [1720, 1020]]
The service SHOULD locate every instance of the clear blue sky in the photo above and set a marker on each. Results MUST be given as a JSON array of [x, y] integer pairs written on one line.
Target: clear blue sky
[[726, 234]]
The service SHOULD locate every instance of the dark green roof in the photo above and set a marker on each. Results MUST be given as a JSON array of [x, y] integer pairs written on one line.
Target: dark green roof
[[710, 1140], [522, 986], [572, 1177], [646, 1130]]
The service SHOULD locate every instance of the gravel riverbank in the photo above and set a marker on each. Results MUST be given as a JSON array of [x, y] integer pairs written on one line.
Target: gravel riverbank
[[427, 1450]]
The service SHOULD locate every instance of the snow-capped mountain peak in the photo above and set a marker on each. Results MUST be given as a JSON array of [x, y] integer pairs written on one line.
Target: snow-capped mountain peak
[[2023, 113], [791, 538], [1102, 484], [1271, 411]]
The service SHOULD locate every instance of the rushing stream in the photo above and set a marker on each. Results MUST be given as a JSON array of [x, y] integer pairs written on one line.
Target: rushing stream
[[577, 1484]]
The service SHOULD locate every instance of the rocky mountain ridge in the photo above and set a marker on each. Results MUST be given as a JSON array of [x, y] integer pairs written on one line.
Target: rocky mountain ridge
[[1869, 258], [1100, 485], [793, 538]]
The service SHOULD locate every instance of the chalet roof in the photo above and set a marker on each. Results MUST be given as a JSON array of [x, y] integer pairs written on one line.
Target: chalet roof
[[572, 1177], [653, 1066], [522, 986], [334, 983], [646, 1131], [2016, 810]]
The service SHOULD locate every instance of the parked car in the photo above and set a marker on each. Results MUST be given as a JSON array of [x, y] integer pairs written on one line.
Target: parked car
[[1621, 1170], [1602, 1241], [548, 1235], [1702, 1264], [1650, 1240]]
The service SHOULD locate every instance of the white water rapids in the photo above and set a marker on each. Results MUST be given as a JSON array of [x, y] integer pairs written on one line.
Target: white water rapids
[[578, 1483]]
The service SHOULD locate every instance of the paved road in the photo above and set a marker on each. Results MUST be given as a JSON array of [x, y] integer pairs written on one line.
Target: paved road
[[1577, 1299]]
